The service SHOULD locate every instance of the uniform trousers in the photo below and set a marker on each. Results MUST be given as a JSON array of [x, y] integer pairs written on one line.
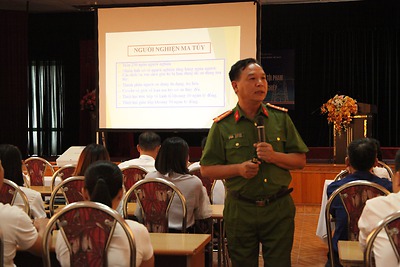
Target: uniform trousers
[[248, 225]]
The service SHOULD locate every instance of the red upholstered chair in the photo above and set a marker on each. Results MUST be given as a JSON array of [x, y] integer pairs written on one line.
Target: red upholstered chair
[[62, 173], [36, 168], [71, 189], [131, 175], [353, 196], [391, 225], [154, 196], [83, 223], [8, 193]]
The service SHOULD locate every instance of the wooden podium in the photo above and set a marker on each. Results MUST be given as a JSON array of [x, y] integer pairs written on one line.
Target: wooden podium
[[360, 127]]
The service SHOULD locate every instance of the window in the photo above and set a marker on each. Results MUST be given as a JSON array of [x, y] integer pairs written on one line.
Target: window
[[46, 108]]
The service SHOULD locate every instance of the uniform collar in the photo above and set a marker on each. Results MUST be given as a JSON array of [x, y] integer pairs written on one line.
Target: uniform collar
[[238, 112]]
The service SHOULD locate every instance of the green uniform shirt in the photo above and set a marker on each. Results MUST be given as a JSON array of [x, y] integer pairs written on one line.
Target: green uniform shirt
[[231, 140]]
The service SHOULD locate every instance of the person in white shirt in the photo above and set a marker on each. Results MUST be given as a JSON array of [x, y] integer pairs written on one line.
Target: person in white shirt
[[11, 158], [148, 146], [171, 164], [375, 210], [17, 229], [218, 193], [103, 184]]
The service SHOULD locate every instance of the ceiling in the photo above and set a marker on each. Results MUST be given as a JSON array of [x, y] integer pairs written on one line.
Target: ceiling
[[47, 6]]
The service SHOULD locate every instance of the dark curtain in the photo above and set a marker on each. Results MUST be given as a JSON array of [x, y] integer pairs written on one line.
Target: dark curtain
[[340, 48], [13, 78]]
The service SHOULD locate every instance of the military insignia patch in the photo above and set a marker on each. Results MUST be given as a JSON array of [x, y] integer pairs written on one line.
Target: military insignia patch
[[222, 116]]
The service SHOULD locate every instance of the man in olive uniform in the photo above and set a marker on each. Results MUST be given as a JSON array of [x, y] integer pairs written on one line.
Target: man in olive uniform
[[258, 206]]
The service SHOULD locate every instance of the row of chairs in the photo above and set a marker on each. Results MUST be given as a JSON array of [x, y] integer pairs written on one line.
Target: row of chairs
[[353, 196]]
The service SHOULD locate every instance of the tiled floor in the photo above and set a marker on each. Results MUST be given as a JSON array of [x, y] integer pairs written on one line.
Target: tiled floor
[[308, 249]]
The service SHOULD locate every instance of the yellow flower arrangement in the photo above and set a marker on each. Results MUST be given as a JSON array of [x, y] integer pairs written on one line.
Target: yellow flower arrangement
[[339, 109]]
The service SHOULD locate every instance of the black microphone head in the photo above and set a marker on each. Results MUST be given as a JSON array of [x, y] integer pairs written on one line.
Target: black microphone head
[[260, 120]]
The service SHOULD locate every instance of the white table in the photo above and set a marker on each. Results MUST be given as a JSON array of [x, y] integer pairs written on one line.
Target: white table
[[321, 227]]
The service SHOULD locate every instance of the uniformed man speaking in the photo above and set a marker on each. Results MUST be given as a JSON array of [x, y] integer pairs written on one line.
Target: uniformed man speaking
[[258, 206]]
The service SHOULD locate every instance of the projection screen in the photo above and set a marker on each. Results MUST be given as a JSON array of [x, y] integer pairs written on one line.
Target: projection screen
[[166, 67]]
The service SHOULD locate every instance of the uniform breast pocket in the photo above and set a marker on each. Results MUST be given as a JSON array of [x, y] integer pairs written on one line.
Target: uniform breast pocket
[[239, 150], [278, 142]]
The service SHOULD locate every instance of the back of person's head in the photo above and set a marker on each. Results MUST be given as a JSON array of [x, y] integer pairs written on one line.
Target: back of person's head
[[11, 160], [103, 181], [238, 67], [173, 156], [91, 153], [397, 161], [149, 141], [378, 148], [362, 154]]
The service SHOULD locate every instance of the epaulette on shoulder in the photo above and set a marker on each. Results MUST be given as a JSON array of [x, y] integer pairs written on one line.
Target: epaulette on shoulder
[[223, 115], [277, 107]]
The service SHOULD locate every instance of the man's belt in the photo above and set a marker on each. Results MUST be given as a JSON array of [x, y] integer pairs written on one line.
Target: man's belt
[[262, 201]]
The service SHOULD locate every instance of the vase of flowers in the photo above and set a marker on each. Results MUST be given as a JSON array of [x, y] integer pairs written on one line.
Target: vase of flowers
[[88, 101], [340, 109]]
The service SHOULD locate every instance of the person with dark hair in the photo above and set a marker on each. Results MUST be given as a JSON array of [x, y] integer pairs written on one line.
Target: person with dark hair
[[378, 170], [375, 210], [11, 158], [171, 164], [17, 229], [148, 146], [258, 206], [90, 154], [361, 158], [103, 184]]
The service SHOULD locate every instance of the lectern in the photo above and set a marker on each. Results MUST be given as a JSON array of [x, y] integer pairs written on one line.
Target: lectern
[[360, 127]]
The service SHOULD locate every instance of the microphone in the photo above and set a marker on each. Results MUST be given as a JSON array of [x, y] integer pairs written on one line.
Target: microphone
[[260, 128], [261, 134]]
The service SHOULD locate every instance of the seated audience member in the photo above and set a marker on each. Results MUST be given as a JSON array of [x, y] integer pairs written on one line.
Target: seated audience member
[[17, 229], [11, 159], [378, 170], [218, 194], [171, 164], [361, 157], [148, 146], [375, 210], [103, 183], [90, 154]]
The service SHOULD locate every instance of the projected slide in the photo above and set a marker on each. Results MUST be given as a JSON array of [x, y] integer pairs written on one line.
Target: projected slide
[[166, 78]]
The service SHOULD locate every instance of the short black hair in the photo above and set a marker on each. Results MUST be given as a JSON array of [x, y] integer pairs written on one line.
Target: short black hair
[[173, 156], [11, 160], [362, 154], [238, 67], [149, 141], [397, 161]]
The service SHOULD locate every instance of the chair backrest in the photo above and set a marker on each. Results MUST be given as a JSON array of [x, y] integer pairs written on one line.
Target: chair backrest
[[353, 196], [208, 183], [387, 168], [71, 189], [131, 175], [62, 173], [341, 175], [36, 168], [391, 224], [9, 192], [84, 223], [154, 197]]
